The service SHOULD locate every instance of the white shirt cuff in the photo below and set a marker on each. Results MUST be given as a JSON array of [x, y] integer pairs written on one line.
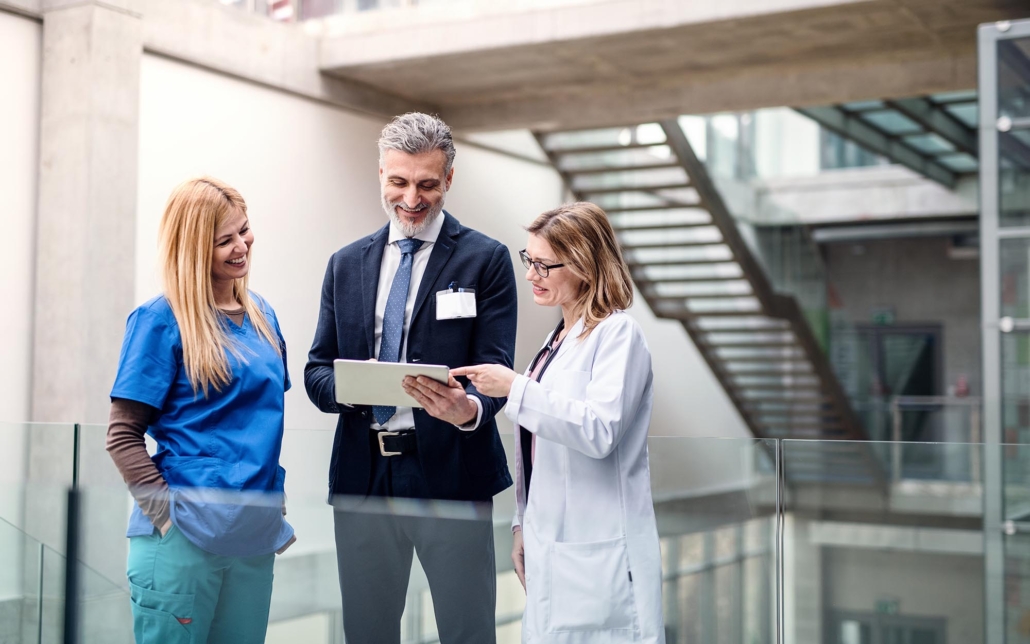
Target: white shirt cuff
[[473, 424]]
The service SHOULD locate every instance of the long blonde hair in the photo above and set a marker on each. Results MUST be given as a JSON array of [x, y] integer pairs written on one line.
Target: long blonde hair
[[583, 240], [196, 209]]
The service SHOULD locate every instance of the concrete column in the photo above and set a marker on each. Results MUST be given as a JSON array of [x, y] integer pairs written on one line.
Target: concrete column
[[85, 265], [85, 253]]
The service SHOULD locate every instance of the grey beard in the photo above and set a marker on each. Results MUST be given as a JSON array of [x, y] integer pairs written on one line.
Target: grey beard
[[409, 230]]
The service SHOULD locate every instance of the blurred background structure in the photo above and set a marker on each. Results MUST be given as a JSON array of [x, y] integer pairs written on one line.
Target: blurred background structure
[[826, 209]]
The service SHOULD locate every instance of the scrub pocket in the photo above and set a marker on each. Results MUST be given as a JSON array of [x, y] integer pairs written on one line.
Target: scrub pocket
[[590, 587], [161, 618]]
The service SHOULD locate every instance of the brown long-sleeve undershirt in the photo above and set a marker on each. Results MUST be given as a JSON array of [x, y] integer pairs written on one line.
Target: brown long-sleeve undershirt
[[128, 448]]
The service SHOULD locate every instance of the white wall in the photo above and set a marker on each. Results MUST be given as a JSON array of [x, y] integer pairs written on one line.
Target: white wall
[[20, 42], [20, 47]]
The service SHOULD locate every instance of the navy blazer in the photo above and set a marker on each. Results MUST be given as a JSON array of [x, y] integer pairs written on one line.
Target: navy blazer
[[458, 465]]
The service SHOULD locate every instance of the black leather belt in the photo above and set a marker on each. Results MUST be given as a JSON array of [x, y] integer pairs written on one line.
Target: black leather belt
[[397, 443]]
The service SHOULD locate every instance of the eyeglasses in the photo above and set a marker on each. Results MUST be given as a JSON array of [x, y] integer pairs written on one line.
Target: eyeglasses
[[541, 269]]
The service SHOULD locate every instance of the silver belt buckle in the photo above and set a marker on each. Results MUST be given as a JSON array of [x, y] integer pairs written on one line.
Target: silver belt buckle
[[382, 448]]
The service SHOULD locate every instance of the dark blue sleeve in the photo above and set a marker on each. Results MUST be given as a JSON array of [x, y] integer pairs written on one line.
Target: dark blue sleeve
[[493, 337], [282, 347], [318, 373], [150, 357]]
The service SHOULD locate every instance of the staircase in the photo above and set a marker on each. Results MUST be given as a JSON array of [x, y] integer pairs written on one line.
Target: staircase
[[691, 264]]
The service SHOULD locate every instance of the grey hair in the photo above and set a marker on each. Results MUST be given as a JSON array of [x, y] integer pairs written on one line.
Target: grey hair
[[417, 133]]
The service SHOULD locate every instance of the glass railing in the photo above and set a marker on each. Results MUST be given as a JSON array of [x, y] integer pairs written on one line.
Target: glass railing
[[897, 562], [812, 540]]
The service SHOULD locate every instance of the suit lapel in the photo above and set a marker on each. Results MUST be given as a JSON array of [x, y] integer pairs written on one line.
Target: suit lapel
[[371, 264], [441, 252]]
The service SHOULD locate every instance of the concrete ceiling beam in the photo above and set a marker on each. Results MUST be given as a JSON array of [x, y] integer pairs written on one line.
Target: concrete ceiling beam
[[814, 84]]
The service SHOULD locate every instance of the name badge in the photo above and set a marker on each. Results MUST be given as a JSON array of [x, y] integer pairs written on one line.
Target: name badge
[[455, 304]]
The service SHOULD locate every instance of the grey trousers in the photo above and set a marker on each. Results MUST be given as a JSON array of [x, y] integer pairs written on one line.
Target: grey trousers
[[374, 555]]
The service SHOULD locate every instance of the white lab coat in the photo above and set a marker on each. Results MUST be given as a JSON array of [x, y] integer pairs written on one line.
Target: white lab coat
[[593, 564]]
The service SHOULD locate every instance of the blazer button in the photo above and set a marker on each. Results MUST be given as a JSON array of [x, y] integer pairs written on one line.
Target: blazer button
[[364, 414]]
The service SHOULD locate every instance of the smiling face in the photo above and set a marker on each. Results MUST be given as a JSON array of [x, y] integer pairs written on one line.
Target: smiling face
[[230, 259], [413, 188], [561, 287]]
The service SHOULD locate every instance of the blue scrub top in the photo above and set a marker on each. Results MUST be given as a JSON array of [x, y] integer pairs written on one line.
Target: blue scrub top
[[219, 454]]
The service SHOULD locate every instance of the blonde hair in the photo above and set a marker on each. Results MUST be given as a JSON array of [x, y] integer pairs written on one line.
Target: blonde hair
[[583, 240], [196, 209]]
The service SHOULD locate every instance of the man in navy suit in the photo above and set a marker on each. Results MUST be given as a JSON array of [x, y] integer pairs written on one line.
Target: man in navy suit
[[379, 301]]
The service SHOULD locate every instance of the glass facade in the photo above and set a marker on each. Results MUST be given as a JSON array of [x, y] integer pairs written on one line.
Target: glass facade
[[1005, 162]]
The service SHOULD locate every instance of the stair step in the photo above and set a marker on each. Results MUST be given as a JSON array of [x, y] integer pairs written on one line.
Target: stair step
[[783, 405], [625, 168], [674, 245], [768, 373], [807, 398], [797, 360], [832, 427], [632, 263], [766, 421], [752, 345], [811, 434], [615, 210], [650, 228], [591, 192], [712, 297], [728, 329], [685, 280], [614, 147]]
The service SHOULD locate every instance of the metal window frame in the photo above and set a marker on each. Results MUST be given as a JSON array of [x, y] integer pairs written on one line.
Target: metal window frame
[[989, 37]]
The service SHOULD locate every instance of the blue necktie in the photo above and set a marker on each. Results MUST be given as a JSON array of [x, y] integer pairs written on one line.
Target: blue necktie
[[393, 317]]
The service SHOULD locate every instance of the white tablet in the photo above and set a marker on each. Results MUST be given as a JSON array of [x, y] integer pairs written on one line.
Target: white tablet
[[360, 382]]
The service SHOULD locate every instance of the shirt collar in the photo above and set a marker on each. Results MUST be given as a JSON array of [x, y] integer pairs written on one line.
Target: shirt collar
[[428, 235]]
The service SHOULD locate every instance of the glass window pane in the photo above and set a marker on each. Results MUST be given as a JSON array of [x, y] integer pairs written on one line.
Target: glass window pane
[[858, 106], [853, 632], [728, 615], [1015, 277], [758, 598], [892, 122], [1014, 78], [1015, 385], [950, 97], [929, 142], [959, 162], [688, 621], [725, 543], [692, 550], [1013, 180], [968, 113]]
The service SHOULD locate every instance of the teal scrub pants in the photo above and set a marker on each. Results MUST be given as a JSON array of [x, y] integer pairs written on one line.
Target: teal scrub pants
[[184, 595]]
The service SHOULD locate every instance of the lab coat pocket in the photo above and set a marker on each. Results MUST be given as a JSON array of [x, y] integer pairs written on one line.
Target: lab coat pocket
[[591, 588]]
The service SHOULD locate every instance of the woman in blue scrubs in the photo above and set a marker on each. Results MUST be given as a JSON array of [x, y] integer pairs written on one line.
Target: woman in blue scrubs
[[203, 371]]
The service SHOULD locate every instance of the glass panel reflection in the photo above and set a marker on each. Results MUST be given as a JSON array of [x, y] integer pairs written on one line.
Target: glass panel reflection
[[1014, 78], [1013, 180], [863, 557]]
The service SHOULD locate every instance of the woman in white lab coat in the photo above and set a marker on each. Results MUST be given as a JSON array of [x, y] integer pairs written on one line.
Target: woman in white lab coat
[[586, 543]]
